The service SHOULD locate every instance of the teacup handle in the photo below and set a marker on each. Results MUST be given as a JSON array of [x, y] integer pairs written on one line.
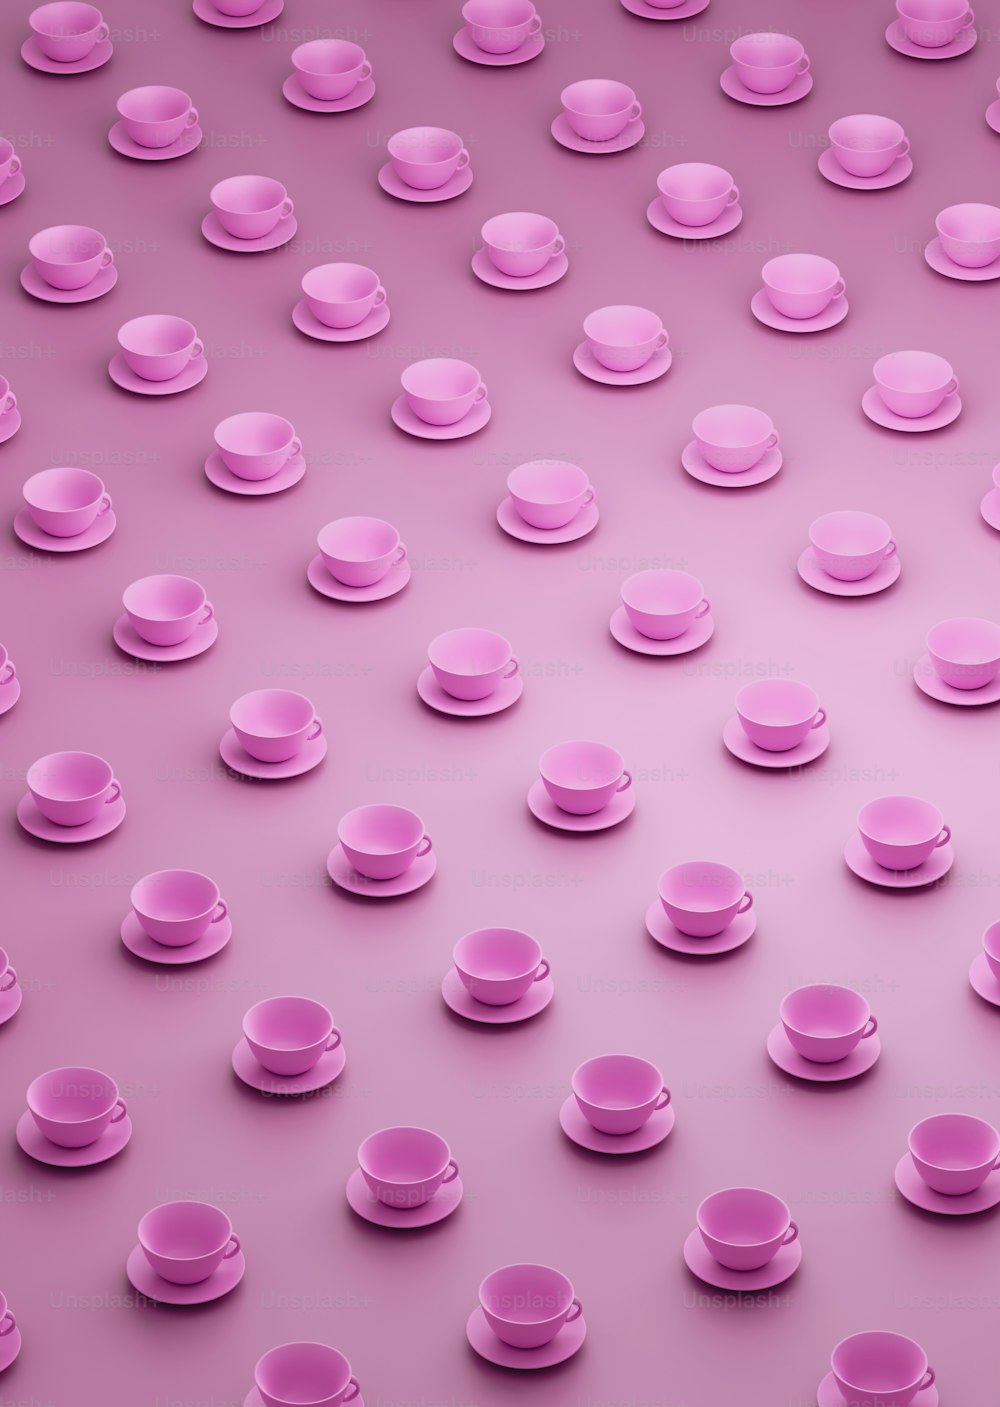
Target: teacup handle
[[588, 497], [625, 782], [575, 1310], [511, 669], [424, 848], [969, 19], [451, 1172], [703, 609], [295, 448], [107, 259], [733, 196], [871, 1026], [9, 673], [792, 1234], [15, 166], [400, 554], [996, 1166], [543, 970], [463, 160], [662, 1100], [903, 147], [819, 720], [103, 32], [380, 297], [192, 117], [209, 613], [890, 551], [481, 393], [943, 838], [115, 792], [927, 1380], [745, 903], [10, 403], [232, 1247], [222, 909], [558, 247], [773, 440], [839, 288], [8, 1325], [317, 728], [662, 339], [353, 1389], [635, 112], [335, 1039], [121, 1109], [534, 24], [366, 71], [804, 63], [952, 386], [105, 505], [197, 348], [5, 984], [287, 209]]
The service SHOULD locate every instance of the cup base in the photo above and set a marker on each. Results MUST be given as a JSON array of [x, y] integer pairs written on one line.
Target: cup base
[[514, 525], [700, 1261], [941, 264], [269, 10], [935, 867], [404, 419], [456, 185], [460, 1000], [812, 746], [507, 693], [487, 272], [123, 375], [31, 534], [566, 137], [293, 92], [308, 323], [130, 642], [212, 230], [735, 88], [698, 634], [466, 48], [249, 1069], [544, 809], [828, 1394], [662, 931], [102, 282], [764, 311], [237, 759], [588, 365], [33, 1142], [322, 580], [831, 169], [140, 945], [144, 1279], [724, 224], [360, 1200], [929, 682], [122, 143], [881, 578], [787, 1058], [579, 1130], [912, 1186], [32, 820], [567, 1342], [97, 58], [695, 464], [879, 413], [965, 40], [345, 876]]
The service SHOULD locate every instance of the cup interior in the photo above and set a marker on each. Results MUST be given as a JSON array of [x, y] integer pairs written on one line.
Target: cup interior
[[800, 273], [64, 19], [380, 829], [849, 534], [254, 433], [287, 1023], [694, 180], [597, 97], [184, 1230], [496, 954], [765, 50], [900, 820], [498, 14], [156, 335], [66, 244], [358, 539], [878, 1362], [469, 651], [824, 1010], [154, 104], [248, 195], [932, 9], [440, 379], [403, 1155], [617, 1082], [743, 1216], [164, 597], [662, 592], [170, 896], [581, 766], [272, 713], [73, 1094], [701, 886], [776, 703], [970, 223], [913, 371], [865, 132], [326, 57], [954, 1141], [547, 481], [526, 1294], [69, 776], [622, 326], [425, 146], [62, 490], [340, 283], [299, 1374], [732, 426], [966, 640], [519, 231]]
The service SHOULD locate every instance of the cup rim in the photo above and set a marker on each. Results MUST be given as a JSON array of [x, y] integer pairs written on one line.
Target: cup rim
[[899, 844], [861, 116], [379, 806], [173, 319], [284, 997], [464, 966], [837, 512], [410, 160], [936, 650], [182, 1202], [580, 785], [34, 25], [466, 673], [660, 614], [482, 24], [156, 874], [721, 1192], [298, 63], [342, 550], [977, 205], [424, 395], [404, 1128], [880, 377], [237, 207], [91, 796], [768, 277], [766, 34], [701, 864], [547, 502], [154, 88], [303, 1343], [527, 1265], [742, 708], [88, 229], [256, 693], [952, 1114], [876, 1333], [731, 406], [611, 82], [80, 1070], [521, 248], [822, 986], [163, 577], [616, 1055], [62, 469], [620, 341]]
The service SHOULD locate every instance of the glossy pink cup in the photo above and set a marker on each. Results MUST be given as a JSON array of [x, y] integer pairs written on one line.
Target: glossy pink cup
[[965, 651], [970, 234], [866, 145], [662, 603], [933, 23], [8, 976], [701, 897], [70, 788], [582, 777], [382, 841], [10, 164], [360, 551], [186, 1242], [424, 158], [623, 337], [441, 390], [330, 69], [500, 26], [249, 207], [66, 31], [954, 1153], [778, 714], [733, 438], [549, 493], [177, 907], [913, 384], [65, 502], [273, 725], [901, 832], [166, 610], [617, 1094], [696, 193], [156, 116], [880, 1369], [289, 1035], [74, 1105], [470, 663], [991, 948], [744, 1228], [314, 1374], [342, 295], [405, 1166], [255, 444], [526, 1305], [599, 109], [69, 256], [159, 346], [498, 965], [850, 545], [768, 63], [825, 1022], [520, 243], [801, 285], [7, 1321]]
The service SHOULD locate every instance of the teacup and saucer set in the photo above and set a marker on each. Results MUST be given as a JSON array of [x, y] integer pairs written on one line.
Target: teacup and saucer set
[[967, 246], [744, 1240], [600, 116], [472, 673], [159, 355], [275, 734], [329, 75], [703, 909], [72, 797], [696, 201], [249, 215], [443, 399], [178, 917], [624, 345], [426, 165], [499, 33], [69, 264], [499, 977], [67, 37], [875, 1367], [619, 1105], [382, 852], [360, 559], [341, 303], [155, 123], [984, 974], [801, 293], [520, 251], [962, 663], [951, 1164], [866, 153], [186, 1254], [74, 1119], [166, 618], [294, 1373], [256, 454], [663, 612], [932, 29], [902, 842], [65, 510], [12, 181], [826, 1034], [850, 553], [290, 1046], [734, 447], [582, 787], [549, 501], [913, 392], [767, 70], [778, 723], [528, 1317], [405, 1178]]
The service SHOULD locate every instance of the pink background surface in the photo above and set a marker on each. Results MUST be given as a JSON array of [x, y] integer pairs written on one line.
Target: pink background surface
[[397, 1304]]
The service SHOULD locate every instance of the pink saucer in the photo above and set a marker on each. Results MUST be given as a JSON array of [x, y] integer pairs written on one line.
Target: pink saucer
[[235, 757], [941, 264], [964, 41], [861, 863], [581, 1131], [269, 10], [659, 928], [828, 1395], [787, 1058], [666, 224], [651, 12], [10, 423], [566, 1343], [467, 49], [876, 409], [544, 809], [435, 1209], [984, 984], [514, 525], [915, 1190], [693, 638], [293, 92], [97, 58], [330, 1064], [189, 140], [507, 693], [566, 137], [929, 682], [144, 1278], [736, 740], [283, 231], [31, 1141], [763, 310], [588, 365], [122, 375], [323, 581], [10, 1347], [458, 998], [733, 88], [12, 187], [992, 115], [9, 695], [128, 639], [103, 282], [345, 876], [139, 943], [487, 272], [699, 468], [32, 820], [700, 1261], [990, 509], [455, 185], [306, 321], [31, 534], [831, 169], [404, 419], [813, 575], [219, 474]]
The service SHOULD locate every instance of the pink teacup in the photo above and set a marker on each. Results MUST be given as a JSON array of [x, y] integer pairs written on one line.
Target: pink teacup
[[297, 1373], [880, 1369], [901, 832], [802, 285], [498, 965], [733, 438], [7, 1321], [500, 26], [249, 207], [991, 948], [360, 551], [470, 663], [867, 145], [965, 651], [166, 610], [695, 193], [186, 1242], [70, 788], [850, 545], [441, 390], [66, 31], [549, 493], [69, 256], [426, 157], [156, 116], [256, 444], [933, 23], [599, 109], [526, 1305], [158, 347], [177, 907], [65, 502], [520, 243], [342, 295], [662, 603], [273, 725], [617, 1094], [382, 841], [582, 777], [330, 69], [744, 1228], [913, 384], [954, 1153], [825, 1022], [623, 337], [289, 1035], [404, 1167], [74, 1105], [768, 63], [970, 234], [701, 897], [8, 976], [778, 714], [10, 164]]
